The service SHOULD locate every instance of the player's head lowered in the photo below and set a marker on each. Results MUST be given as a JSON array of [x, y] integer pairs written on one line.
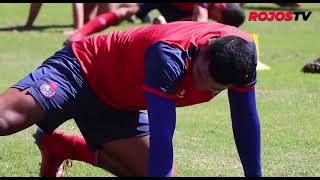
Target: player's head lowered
[[233, 14], [225, 63]]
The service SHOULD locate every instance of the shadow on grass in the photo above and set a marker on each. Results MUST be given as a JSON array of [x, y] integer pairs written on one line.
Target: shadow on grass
[[34, 28]]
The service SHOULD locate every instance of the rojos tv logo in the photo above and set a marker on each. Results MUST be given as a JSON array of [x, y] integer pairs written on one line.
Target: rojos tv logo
[[278, 15]]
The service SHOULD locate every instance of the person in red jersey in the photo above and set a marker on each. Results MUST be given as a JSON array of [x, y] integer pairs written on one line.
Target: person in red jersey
[[104, 82], [226, 13], [91, 10]]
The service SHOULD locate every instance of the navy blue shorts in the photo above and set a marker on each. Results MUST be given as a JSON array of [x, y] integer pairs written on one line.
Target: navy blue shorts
[[60, 87]]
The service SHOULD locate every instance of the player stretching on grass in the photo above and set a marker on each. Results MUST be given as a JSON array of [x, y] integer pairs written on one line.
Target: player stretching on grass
[[103, 82], [226, 13], [102, 21]]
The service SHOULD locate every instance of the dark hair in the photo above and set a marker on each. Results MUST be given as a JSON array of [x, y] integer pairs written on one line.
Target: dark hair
[[232, 60], [233, 15]]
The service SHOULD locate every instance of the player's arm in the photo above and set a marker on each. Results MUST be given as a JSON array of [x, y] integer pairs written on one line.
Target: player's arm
[[246, 124], [200, 12], [162, 119], [246, 129], [164, 68]]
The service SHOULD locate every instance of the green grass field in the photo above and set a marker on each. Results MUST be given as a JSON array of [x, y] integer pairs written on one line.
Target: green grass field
[[287, 100]]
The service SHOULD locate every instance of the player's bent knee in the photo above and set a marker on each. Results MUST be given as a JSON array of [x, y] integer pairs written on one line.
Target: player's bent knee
[[8, 123], [15, 114], [3, 127], [12, 122]]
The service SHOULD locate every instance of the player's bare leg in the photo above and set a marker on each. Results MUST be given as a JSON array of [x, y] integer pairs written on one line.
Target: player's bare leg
[[127, 157], [89, 11], [127, 11], [78, 17], [104, 21], [106, 7], [18, 111], [33, 13]]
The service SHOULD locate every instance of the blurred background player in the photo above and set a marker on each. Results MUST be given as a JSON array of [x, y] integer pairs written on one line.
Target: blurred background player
[[91, 10], [226, 13], [82, 13], [33, 13], [77, 9], [105, 20]]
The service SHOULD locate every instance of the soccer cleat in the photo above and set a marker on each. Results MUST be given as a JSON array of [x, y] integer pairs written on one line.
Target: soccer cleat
[[312, 67], [63, 168], [159, 20], [53, 164]]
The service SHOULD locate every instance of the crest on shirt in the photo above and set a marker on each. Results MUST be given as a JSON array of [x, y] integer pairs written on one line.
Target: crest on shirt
[[48, 89]]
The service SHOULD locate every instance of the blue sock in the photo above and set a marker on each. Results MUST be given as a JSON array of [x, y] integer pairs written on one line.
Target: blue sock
[[38, 136]]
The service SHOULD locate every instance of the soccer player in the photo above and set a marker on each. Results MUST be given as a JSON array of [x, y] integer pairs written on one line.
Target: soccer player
[[104, 82], [226, 13], [90, 10], [104, 20]]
